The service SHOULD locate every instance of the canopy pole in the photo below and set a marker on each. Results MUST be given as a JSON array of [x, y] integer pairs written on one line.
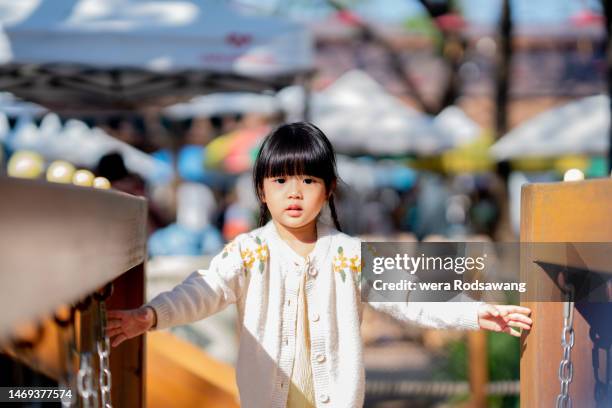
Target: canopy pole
[[307, 86], [609, 74], [608, 26], [610, 139]]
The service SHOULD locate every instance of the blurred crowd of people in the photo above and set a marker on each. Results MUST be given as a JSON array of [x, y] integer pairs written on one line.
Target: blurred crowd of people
[[210, 198], [207, 204]]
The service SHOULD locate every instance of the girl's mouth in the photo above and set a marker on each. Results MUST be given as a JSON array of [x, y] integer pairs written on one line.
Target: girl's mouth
[[294, 210]]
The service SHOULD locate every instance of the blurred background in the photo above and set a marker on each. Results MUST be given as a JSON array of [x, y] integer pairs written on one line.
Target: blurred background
[[439, 112]]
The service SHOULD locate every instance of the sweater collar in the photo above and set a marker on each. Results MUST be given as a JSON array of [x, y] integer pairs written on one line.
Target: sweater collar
[[319, 252]]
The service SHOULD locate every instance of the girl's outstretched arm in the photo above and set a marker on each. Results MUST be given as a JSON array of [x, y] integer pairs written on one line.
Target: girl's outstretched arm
[[202, 294], [470, 315], [462, 315]]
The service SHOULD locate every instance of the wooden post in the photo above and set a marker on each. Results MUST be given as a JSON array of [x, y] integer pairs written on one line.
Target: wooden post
[[128, 359], [478, 368], [565, 212]]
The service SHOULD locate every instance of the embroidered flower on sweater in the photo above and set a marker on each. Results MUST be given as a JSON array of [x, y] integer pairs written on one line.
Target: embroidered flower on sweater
[[247, 258], [342, 264], [261, 253]]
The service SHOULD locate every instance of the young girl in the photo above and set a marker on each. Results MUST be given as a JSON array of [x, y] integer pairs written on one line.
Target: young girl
[[294, 283]]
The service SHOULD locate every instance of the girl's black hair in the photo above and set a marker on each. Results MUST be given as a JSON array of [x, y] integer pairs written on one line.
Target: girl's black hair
[[296, 149]]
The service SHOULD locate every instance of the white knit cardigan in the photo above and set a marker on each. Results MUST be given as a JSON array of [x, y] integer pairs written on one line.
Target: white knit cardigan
[[261, 274]]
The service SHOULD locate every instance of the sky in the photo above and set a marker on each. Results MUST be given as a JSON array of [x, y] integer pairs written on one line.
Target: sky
[[527, 11], [476, 11]]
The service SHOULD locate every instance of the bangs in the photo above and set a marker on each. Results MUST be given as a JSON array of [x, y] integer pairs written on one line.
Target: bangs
[[290, 160]]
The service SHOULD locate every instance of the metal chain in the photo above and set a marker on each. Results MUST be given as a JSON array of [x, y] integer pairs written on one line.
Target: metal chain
[[67, 343], [105, 372], [103, 348], [566, 368], [85, 386]]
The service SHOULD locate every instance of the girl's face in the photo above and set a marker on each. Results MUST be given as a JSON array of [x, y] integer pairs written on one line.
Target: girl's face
[[294, 201]]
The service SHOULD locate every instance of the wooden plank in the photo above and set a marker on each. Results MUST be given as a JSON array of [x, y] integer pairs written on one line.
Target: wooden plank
[[128, 360], [60, 242], [182, 375], [565, 212]]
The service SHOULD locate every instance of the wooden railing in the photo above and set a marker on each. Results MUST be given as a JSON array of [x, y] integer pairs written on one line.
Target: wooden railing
[[58, 244]]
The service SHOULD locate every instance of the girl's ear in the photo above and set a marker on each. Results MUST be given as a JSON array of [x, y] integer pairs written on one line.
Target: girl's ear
[[332, 189]]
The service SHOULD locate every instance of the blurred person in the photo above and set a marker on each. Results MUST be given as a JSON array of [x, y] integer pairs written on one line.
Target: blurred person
[[112, 166], [240, 215], [377, 211], [254, 121], [457, 215], [192, 233], [405, 213], [200, 132], [484, 214], [223, 124], [430, 213], [237, 221], [130, 130], [295, 283], [477, 203]]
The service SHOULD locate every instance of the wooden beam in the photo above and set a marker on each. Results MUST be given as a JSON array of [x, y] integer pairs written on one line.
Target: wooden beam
[[60, 242]]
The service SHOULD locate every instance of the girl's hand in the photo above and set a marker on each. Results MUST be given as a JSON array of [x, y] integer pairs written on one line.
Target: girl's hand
[[503, 318], [126, 324]]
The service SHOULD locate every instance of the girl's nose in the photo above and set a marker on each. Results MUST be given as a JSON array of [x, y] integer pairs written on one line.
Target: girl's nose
[[293, 188]]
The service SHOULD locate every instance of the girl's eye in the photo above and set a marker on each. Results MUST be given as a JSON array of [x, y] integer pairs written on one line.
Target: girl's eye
[[279, 180], [308, 181]]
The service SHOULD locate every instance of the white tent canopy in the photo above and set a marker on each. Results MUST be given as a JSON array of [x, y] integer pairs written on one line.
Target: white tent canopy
[[458, 127], [224, 103], [579, 127], [12, 106], [360, 116], [80, 145], [134, 50]]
